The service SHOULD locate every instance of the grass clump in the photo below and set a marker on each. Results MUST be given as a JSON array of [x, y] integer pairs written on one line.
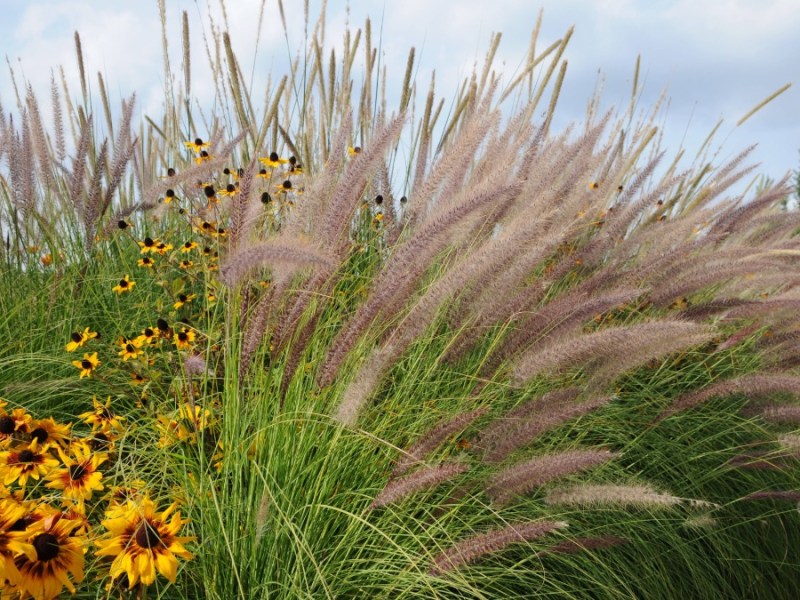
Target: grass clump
[[273, 359]]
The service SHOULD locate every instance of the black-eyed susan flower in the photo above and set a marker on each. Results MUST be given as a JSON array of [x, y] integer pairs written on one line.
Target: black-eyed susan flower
[[207, 227], [79, 477], [148, 244], [173, 430], [273, 160], [146, 262], [202, 157], [12, 542], [169, 196], [148, 337], [129, 351], [183, 299], [188, 246], [230, 191], [197, 145], [102, 418], [14, 423], [48, 433], [162, 248], [184, 339], [285, 187], [21, 465], [143, 542], [186, 264], [264, 174], [55, 553], [87, 365], [77, 340], [125, 285], [353, 150]]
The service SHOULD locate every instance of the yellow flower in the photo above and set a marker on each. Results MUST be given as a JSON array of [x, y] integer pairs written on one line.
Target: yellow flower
[[183, 299], [102, 418], [273, 160], [53, 553], [125, 285], [202, 157], [162, 248], [87, 365], [148, 336], [11, 542], [25, 464], [188, 246], [230, 190], [353, 150], [142, 541], [79, 478], [130, 349], [47, 433], [197, 145], [77, 340], [146, 262], [148, 245], [184, 339]]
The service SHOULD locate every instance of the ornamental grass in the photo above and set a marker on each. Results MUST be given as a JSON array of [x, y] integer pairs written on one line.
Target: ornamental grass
[[315, 341]]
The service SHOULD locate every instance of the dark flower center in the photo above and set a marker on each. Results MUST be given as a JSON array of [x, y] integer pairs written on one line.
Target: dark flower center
[[7, 424], [204, 154], [162, 325], [46, 545], [273, 156], [230, 188], [293, 160], [129, 348], [183, 336], [26, 456], [198, 141], [182, 297], [378, 199], [148, 333], [76, 337], [39, 434], [209, 191], [403, 200], [123, 283], [170, 193], [287, 185], [86, 364], [21, 524], [76, 472], [170, 172], [266, 198], [187, 245], [148, 242], [146, 535], [99, 440], [226, 170], [122, 224]]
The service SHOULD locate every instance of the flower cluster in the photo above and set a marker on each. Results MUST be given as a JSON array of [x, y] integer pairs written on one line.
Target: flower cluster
[[53, 487]]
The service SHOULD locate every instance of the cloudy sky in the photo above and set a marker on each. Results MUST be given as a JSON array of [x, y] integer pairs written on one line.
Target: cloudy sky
[[716, 59]]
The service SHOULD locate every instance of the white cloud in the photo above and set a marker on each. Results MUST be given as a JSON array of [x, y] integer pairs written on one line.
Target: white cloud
[[717, 58]]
